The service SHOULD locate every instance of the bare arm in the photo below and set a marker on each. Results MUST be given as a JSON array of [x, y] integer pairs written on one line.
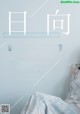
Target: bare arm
[[72, 70]]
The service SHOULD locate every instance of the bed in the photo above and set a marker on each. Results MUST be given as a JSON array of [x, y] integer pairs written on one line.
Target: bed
[[40, 103]]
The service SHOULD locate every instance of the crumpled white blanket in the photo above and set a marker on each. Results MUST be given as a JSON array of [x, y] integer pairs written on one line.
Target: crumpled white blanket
[[40, 103]]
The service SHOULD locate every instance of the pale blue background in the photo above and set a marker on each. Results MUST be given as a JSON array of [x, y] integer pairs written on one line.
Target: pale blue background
[[30, 58]]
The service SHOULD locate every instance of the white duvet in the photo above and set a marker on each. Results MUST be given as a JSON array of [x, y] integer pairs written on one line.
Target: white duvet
[[40, 103]]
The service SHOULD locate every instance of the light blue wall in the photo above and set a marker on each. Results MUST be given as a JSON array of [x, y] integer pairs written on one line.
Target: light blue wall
[[32, 59]]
